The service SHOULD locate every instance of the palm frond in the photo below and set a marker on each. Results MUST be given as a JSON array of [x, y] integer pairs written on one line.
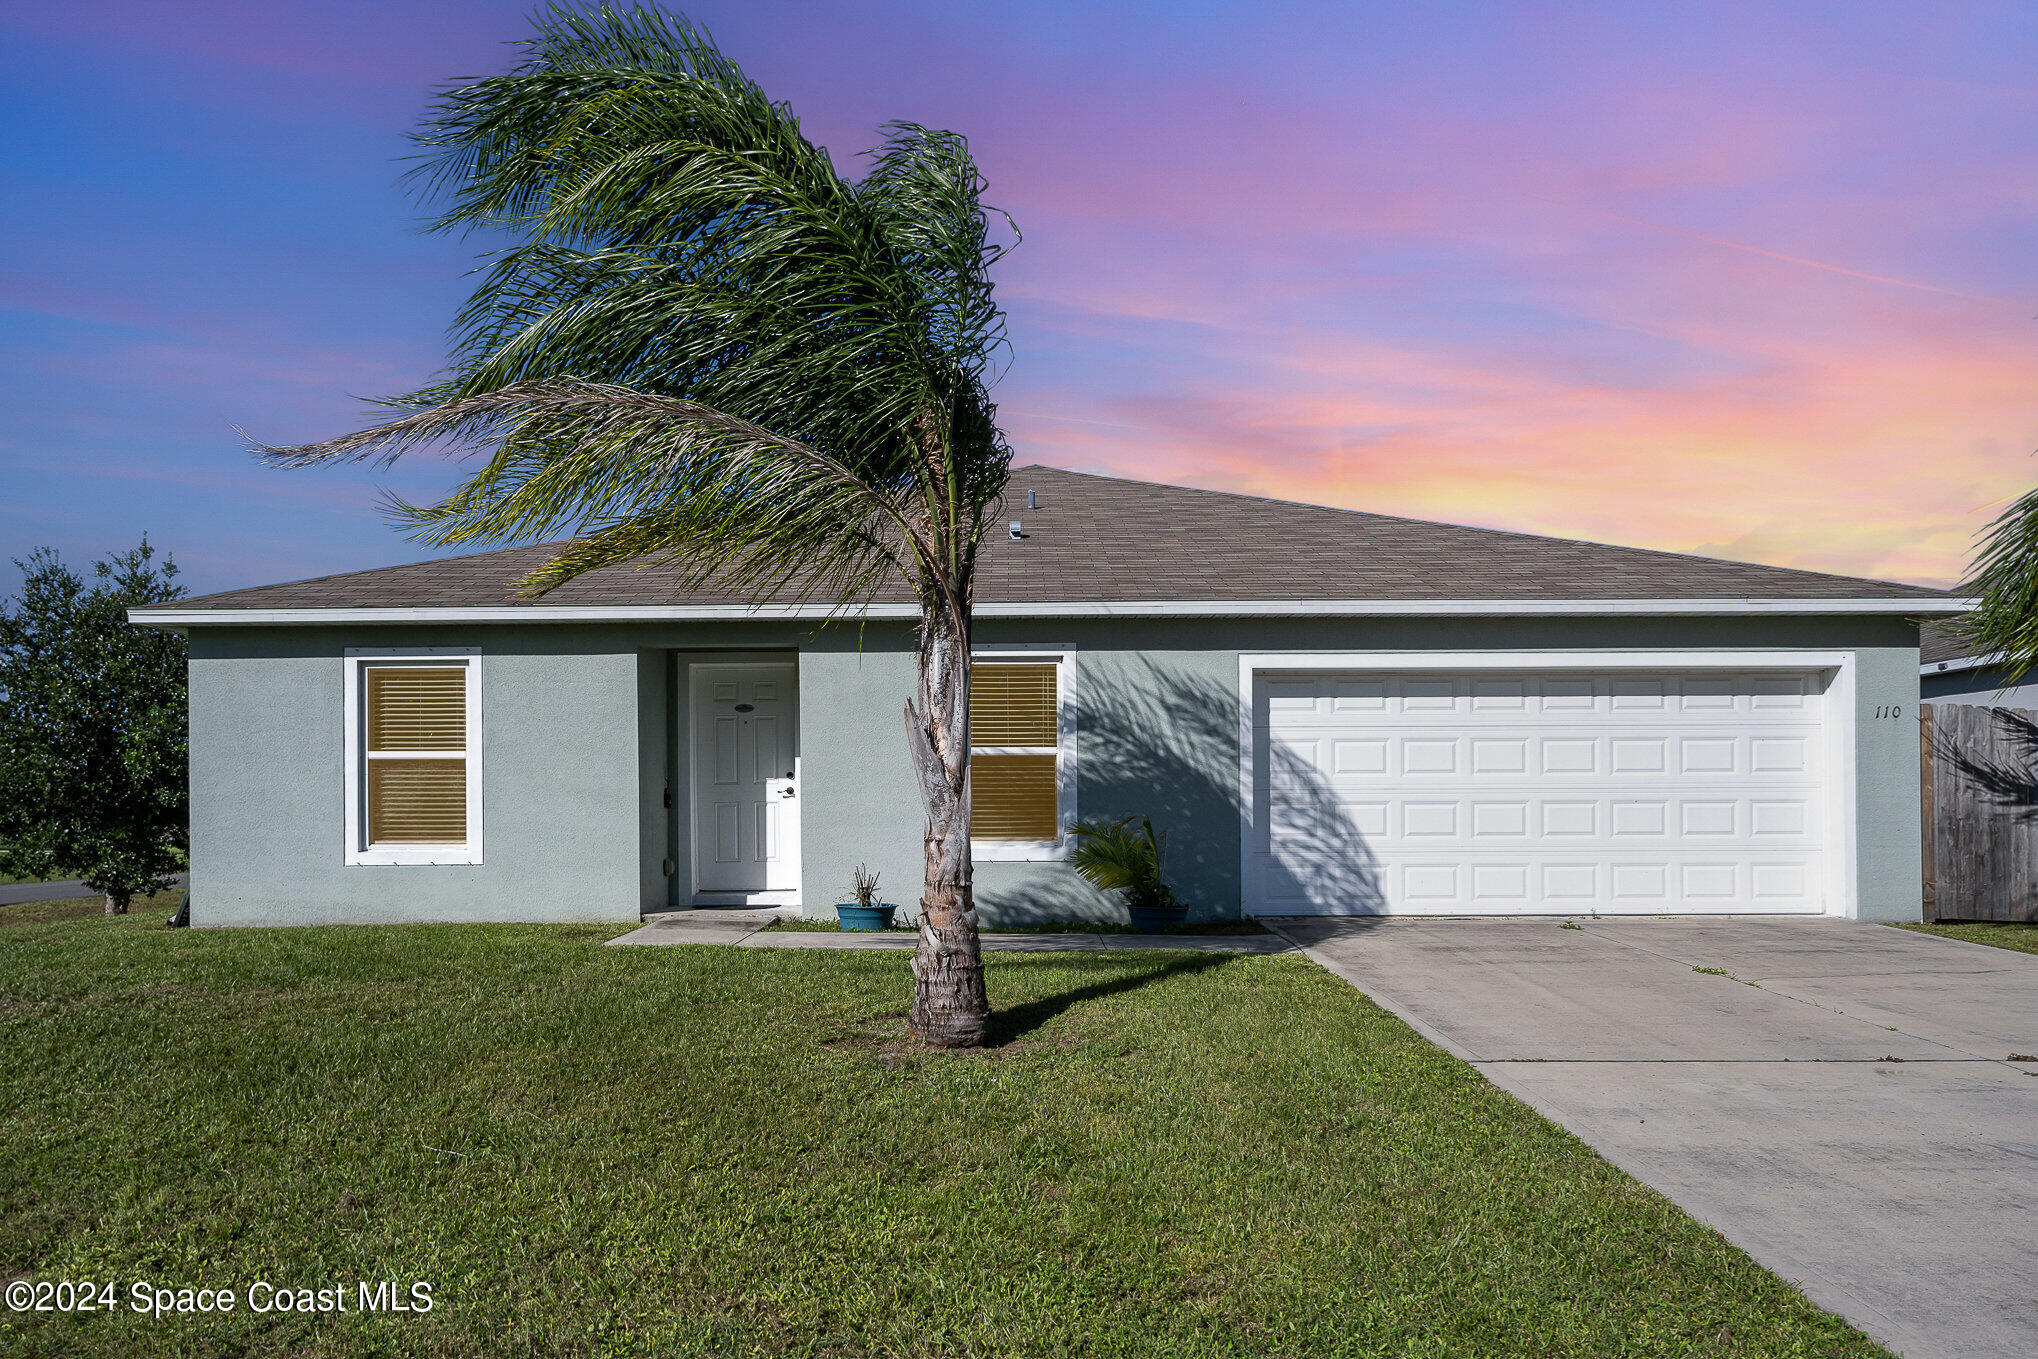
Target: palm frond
[[926, 191], [635, 475], [813, 354], [2005, 579], [1121, 856]]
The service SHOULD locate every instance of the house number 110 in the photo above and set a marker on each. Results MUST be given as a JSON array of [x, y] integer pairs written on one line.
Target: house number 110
[[1890, 710]]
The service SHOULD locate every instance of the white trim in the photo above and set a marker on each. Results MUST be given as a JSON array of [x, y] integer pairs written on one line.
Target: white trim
[[1620, 658], [771, 896], [1169, 608], [1036, 851], [1838, 720], [781, 897], [358, 852], [1931, 668]]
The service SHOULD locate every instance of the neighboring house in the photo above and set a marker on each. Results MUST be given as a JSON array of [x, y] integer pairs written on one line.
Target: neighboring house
[[1325, 711], [1949, 672]]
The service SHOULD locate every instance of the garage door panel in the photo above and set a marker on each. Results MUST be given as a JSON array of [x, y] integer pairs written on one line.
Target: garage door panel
[[1570, 886], [1499, 756], [1783, 819], [1631, 819], [1371, 817], [1638, 755], [1605, 821], [1423, 883], [1786, 881], [1359, 757], [1795, 756], [1502, 820], [1521, 792], [1500, 695], [1753, 697]]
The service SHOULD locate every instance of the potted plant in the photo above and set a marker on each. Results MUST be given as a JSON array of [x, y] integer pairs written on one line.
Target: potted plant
[[866, 912], [1125, 856]]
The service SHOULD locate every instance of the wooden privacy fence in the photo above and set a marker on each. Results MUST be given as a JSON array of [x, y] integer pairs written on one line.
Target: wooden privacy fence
[[1980, 772]]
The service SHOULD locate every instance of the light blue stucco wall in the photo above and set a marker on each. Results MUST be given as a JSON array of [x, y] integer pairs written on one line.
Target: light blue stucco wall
[[1888, 850], [578, 746], [583, 735], [860, 800], [1157, 735]]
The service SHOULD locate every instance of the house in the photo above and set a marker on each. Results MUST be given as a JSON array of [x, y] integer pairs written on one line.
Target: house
[[1323, 710], [1950, 672]]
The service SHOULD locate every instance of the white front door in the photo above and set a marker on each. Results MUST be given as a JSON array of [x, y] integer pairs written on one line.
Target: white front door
[[746, 818], [1438, 793]]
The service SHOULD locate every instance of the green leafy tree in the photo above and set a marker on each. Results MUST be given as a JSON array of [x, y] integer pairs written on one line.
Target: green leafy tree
[[707, 347], [92, 727]]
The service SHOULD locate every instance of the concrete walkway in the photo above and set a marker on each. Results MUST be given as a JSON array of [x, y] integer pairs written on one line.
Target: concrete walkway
[[746, 929], [1837, 1099], [14, 893]]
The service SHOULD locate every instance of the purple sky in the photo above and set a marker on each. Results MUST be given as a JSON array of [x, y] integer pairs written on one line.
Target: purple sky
[[1707, 278]]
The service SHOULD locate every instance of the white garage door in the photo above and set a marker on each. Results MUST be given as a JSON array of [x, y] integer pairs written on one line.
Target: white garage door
[[1560, 792]]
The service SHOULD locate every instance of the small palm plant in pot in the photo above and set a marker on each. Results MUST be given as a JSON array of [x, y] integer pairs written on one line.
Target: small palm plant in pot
[[1125, 856], [866, 912]]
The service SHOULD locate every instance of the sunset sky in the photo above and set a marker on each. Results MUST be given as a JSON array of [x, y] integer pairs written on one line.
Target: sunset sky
[[1757, 282]]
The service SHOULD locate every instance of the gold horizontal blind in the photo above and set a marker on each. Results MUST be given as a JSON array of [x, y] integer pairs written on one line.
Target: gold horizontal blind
[[417, 754], [1015, 750]]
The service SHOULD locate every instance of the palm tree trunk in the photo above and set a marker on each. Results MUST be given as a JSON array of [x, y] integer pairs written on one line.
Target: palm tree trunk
[[950, 1007]]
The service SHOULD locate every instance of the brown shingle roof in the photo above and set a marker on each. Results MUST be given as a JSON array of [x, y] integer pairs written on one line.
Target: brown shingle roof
[[1099, 539], [1935, 644]]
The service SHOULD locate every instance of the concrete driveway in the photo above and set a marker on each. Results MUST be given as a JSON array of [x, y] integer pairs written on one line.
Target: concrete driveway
[[1838, 1100]]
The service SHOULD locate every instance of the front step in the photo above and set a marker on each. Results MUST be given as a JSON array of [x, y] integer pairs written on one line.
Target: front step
[[755, 916]]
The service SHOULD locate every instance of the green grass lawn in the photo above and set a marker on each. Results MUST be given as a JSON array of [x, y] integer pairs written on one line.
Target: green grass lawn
[[690, 1150], [2023, 938]]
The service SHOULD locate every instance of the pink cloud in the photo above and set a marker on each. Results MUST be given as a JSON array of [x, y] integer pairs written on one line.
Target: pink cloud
[[1871, 454]]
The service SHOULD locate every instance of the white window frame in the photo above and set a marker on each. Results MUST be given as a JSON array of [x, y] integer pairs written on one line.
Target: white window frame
[[359, 851], [1019, 851]]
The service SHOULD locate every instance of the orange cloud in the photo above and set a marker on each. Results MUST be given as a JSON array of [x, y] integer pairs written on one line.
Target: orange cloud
[[1875, 456]]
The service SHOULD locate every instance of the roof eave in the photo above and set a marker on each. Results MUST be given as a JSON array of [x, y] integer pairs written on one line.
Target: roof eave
[[1954, 664], [174, 617]]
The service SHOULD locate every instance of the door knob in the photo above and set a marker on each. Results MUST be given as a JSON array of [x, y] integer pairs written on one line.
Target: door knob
[[785, 792]]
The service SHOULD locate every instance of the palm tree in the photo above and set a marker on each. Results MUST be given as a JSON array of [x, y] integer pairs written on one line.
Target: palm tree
[[2005, 580], [708, 348]]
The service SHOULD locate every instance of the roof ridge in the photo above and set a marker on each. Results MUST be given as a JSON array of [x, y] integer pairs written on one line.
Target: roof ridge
[[1480, 528]]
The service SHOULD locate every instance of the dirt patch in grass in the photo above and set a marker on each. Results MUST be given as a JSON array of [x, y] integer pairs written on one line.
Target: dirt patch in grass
[[890, 1044]]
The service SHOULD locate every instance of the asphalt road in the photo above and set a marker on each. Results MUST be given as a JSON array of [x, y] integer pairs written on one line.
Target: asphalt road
[[16, 892]]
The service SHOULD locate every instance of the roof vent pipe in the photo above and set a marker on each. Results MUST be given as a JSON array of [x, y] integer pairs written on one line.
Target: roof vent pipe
[[1032, 501]]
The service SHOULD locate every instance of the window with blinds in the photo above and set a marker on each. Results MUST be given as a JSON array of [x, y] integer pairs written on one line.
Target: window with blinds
[[1015, 751], [417, 754], [414, 754]]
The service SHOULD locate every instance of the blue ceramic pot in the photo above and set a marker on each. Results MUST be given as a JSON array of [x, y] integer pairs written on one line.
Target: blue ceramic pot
[[865, 917], [1157, 919]]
